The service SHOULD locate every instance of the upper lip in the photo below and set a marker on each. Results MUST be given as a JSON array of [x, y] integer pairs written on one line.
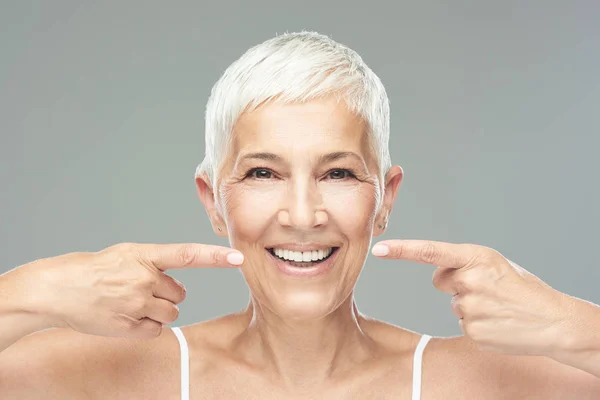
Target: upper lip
[[301, 246]]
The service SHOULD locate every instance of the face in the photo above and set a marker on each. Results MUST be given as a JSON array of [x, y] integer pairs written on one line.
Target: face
[[299, 195]]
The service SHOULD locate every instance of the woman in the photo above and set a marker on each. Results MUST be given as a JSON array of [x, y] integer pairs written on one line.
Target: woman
[[297, 175]]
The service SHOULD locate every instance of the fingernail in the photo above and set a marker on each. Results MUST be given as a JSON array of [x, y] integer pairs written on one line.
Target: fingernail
[[235, 258], [380, 250]]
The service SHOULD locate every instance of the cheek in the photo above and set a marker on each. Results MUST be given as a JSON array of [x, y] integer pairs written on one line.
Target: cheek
[[353, 207], [248, 210]]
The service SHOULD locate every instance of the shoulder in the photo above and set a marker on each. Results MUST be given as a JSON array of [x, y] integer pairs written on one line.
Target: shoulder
[[212, 340], [63, 348], [99, 366], [78, 365], [455, 368], [457, 365]]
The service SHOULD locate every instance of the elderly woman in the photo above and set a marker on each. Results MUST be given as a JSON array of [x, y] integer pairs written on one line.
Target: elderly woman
[[297, 175]]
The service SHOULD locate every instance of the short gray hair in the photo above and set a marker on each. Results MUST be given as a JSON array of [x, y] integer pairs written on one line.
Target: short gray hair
[[293, 68]]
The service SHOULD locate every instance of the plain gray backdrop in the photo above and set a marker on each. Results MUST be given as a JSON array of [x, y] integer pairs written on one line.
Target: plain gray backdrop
[[495, 121]]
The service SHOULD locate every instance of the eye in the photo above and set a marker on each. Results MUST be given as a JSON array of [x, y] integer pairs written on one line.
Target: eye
[[260, 173], [340, 174]]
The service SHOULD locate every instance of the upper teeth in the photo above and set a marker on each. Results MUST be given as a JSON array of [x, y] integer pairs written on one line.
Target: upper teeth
[[299, 256]]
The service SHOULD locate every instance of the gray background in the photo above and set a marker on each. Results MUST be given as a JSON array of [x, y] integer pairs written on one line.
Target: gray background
[[495, 121]]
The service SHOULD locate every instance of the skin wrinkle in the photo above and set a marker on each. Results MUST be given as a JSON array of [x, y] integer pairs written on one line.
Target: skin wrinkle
[[308, 331]]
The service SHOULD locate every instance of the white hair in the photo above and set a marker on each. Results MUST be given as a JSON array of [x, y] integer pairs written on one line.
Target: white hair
[[293, 68]]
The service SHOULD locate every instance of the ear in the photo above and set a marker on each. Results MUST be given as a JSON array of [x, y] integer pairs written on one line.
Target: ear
[[392, 183], [207, 197]]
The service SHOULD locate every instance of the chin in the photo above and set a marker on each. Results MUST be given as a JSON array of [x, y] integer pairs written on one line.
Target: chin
[[303, 305]]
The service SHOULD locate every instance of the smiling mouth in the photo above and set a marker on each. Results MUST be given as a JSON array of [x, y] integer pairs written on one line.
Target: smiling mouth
[[291, 257]]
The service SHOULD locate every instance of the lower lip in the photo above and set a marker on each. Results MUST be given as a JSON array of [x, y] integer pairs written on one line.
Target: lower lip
[[304, 272]]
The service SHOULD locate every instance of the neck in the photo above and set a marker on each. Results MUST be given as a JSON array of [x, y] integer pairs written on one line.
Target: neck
[[305, 353]]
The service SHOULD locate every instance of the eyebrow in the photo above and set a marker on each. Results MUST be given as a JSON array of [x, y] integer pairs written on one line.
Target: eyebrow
[[322, 159]]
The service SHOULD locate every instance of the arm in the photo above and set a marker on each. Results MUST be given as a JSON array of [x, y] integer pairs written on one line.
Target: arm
[[506, 309], [18, 317], [35, 361], [48, 365], [538, 377], [578, 339]]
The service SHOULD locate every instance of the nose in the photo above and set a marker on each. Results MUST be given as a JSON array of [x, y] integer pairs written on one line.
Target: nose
[[304, 208]]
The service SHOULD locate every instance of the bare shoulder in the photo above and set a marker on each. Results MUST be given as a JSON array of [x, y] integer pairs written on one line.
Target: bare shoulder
[[63, 363], [454, 367], [38, 362]]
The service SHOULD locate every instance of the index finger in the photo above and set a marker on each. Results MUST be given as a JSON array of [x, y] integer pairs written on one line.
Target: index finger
[[441, 254], [190, 255]]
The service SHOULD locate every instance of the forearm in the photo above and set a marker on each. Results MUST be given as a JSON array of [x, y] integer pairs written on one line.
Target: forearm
[[17, 316], [579, 338]]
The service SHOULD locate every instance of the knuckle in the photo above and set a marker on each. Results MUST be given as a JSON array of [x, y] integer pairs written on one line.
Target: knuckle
[[429, 253], [472, 330], [475, 279], [156, 329], [137, 303], [489, 251], [121, 254], [456, 305], [178, 293], [124, 247], [129, 323], [466, 327], [497, 273], [487, 255], [176, 288], [149, 278], [465, 304], [443, 279], [437, 278], [175, 313], [182, 293], [468, 282], [150, 328], [110, 256], [143, 281], [398, 251], [481, 278], [187, 255], [214, 256]]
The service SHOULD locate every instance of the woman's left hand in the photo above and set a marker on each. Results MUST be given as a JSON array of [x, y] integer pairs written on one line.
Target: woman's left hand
[[501, 306]]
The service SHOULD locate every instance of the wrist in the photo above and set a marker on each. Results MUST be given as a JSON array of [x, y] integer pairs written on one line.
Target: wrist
[[21, 297], [578, 333]]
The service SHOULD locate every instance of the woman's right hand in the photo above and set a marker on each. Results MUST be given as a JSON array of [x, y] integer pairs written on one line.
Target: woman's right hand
[[121, 291]]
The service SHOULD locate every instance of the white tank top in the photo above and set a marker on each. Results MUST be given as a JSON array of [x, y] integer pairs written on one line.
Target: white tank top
[[185, 365]]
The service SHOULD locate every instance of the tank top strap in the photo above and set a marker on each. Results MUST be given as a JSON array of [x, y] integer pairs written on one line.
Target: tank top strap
[[417, 367], [185, 371], [185, 363]]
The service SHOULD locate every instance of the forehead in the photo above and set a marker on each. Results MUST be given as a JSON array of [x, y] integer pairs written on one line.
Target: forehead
[[300, 126]]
